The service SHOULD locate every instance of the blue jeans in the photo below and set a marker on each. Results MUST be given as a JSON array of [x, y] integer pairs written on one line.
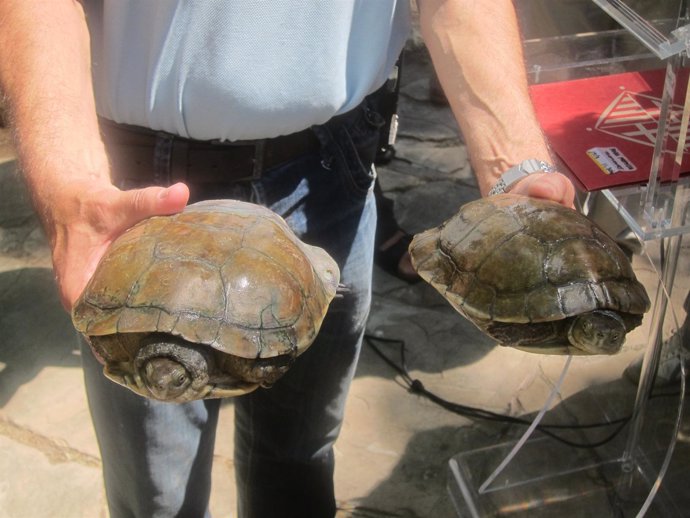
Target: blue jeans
[[157, 456]]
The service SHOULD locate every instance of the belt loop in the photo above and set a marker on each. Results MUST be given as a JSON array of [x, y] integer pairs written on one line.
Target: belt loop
[[258, 166], [179, 164], [162, 159]]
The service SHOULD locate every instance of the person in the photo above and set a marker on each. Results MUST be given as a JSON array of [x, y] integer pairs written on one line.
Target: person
[[124, 110]]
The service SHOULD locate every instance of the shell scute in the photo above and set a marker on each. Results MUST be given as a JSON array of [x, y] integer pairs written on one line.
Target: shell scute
[[133, 320], [464, 240], [125, 264], [181, 287], [544, 304], [574, 259], [525, 255], [260, 293]]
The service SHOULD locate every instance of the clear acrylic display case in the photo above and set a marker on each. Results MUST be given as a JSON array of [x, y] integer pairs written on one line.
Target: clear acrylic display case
[[621, 40], [535, 476]]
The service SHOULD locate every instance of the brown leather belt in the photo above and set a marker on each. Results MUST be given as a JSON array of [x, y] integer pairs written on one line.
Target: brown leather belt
[[145, 155]]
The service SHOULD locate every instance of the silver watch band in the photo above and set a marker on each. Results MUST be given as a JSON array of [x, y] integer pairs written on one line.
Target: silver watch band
[[519, 171]]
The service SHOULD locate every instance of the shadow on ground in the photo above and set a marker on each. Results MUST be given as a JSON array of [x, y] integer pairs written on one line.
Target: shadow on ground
[[424, 464], [436, 338], [36, 331]]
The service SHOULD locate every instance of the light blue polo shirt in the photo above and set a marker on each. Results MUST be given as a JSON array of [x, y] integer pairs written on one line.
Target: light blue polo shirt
[[240, 69]]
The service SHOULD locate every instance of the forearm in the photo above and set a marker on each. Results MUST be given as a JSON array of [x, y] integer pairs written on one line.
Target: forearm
[[477, 52], [45, 76]]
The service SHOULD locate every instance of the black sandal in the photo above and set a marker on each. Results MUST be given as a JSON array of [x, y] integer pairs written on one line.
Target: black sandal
[[387, 228], [389, 259]]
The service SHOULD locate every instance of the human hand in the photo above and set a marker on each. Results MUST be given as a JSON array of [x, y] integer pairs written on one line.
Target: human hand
[[550, 186], [82, 222]]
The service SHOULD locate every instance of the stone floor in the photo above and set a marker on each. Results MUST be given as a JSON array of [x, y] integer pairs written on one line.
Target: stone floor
[[395, 447]]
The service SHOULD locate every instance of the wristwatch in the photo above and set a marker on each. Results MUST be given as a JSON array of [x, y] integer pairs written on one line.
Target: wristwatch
[[518, 172]]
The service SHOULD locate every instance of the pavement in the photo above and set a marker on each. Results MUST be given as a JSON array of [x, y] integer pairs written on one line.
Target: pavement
[[392, 459]]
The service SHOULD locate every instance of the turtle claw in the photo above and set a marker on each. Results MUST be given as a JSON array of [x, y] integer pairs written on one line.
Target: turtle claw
[[342, 290]]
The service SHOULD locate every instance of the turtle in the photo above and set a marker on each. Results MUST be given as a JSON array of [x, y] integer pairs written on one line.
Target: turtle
[[212, 302], [534, 275]]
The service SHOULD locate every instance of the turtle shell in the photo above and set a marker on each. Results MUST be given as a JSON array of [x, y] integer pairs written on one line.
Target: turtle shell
[[522, 268], [227, 280]]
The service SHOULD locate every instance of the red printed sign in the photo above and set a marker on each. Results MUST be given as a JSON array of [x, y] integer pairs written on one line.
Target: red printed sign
[[605, 128]]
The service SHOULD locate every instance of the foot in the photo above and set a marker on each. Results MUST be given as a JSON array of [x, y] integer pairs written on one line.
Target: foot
[[393, 257]]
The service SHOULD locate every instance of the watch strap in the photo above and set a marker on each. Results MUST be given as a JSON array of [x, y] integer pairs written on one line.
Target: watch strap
[[518, 172]]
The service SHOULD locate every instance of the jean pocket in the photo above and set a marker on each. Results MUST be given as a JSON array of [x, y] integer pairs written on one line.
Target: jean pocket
[[349, 149]]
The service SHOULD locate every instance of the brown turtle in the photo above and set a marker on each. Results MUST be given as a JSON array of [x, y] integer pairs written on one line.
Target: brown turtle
[[534, 275], [212, 302]]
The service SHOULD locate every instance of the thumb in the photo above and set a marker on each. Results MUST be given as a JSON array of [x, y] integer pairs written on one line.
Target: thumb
[[83, 236], [139, 204], [551, 186]]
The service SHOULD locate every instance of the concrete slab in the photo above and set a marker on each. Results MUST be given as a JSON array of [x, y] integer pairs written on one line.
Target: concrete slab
[[34, 484]]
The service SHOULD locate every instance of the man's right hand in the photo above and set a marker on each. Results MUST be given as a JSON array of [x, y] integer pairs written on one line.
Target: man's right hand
[[82, 222]]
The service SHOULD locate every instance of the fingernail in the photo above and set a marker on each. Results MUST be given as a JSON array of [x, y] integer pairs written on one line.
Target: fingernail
[[163, 194]]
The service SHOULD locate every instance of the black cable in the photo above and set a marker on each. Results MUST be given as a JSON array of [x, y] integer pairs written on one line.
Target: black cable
[[415, 386]]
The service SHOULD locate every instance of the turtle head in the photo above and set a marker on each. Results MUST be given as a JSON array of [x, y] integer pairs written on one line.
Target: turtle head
[[171, 369], [597, 332], [166, 378]]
